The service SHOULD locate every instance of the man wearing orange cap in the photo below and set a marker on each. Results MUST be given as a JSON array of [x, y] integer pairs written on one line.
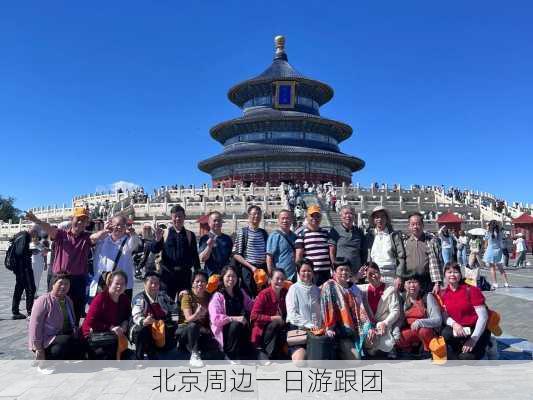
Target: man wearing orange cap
[[72, 249], [313, 243]]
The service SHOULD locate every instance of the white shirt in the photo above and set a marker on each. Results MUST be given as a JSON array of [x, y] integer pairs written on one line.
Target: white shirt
[[104, 259], [381, 252], [520, 244], [37, 257]]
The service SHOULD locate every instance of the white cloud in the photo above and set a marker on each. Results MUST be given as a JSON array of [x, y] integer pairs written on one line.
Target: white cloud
[[124, 185]]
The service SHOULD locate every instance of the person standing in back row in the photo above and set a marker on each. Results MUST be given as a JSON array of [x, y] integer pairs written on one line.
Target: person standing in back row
[[349, 241], [215, 247], [249, 250], [71, 255], [22, 268], [314, 244], [179, 253], [280, 247]]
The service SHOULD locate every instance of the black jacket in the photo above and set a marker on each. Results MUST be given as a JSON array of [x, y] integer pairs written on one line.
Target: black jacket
[[21, 241], [178, 250]]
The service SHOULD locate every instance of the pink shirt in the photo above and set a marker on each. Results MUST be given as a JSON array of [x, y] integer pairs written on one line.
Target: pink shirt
[[71, 252]]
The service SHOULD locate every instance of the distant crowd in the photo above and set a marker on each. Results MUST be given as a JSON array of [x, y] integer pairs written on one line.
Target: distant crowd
[[299, 292]]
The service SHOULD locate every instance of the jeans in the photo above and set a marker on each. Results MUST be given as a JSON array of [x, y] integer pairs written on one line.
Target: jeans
[[447, 255], [461, 255]]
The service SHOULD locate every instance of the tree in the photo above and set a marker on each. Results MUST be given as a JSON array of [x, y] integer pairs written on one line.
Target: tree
[[8, 211]]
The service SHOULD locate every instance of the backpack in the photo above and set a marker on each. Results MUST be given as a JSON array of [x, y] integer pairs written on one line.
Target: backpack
[[10, 261]]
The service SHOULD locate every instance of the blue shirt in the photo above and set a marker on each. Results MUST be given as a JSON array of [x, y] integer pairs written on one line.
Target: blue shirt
[[282, 252], [220, 254]]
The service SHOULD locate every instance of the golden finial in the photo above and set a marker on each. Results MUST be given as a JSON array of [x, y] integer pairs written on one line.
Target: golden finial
[[280, 44]]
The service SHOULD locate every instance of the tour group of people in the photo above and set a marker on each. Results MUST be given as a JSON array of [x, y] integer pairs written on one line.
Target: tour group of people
[[339, 293]]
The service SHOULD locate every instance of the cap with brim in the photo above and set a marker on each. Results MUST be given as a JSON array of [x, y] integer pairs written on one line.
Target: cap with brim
[[80, 212], [380, 208], [313, 210]]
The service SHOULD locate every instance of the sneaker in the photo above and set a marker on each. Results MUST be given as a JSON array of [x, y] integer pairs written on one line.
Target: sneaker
[[196, 360], [494, 286], [507, 285], [45, 371], [18, 316]]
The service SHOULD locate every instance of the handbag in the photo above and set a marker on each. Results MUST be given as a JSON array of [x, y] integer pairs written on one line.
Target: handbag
[[158, 326], [102, 339], [296, 337], [158, 333]]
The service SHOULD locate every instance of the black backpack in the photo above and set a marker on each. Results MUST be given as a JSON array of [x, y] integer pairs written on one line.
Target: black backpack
[[10, 261]]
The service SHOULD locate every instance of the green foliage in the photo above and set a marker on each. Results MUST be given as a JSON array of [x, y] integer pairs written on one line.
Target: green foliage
[[8, 211]]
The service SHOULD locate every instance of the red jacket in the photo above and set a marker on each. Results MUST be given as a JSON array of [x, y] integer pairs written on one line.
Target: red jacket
[[104, 313], [265, 306]]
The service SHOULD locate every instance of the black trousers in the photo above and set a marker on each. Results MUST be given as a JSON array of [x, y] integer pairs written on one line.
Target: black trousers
[[145, 344], [196, 338], [176, 280], [248, 282], [454, 345], [236, 340], [65, 347], [24, 282], [274, 338], [321, 277]]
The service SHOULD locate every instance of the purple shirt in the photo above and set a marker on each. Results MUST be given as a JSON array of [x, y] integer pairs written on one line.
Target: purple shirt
[[47, 320], [71, 252]]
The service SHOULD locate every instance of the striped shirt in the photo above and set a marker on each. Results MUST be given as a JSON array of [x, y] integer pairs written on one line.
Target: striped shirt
[[255, 247], [316, 247]]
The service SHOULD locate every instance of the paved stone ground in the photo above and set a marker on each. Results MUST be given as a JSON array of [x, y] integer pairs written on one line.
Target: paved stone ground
[[514, 304]]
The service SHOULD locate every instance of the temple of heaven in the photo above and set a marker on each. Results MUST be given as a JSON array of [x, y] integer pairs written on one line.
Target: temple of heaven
[[281, 136]]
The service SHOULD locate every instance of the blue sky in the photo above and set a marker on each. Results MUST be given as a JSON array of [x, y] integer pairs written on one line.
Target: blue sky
[[92, 94]]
